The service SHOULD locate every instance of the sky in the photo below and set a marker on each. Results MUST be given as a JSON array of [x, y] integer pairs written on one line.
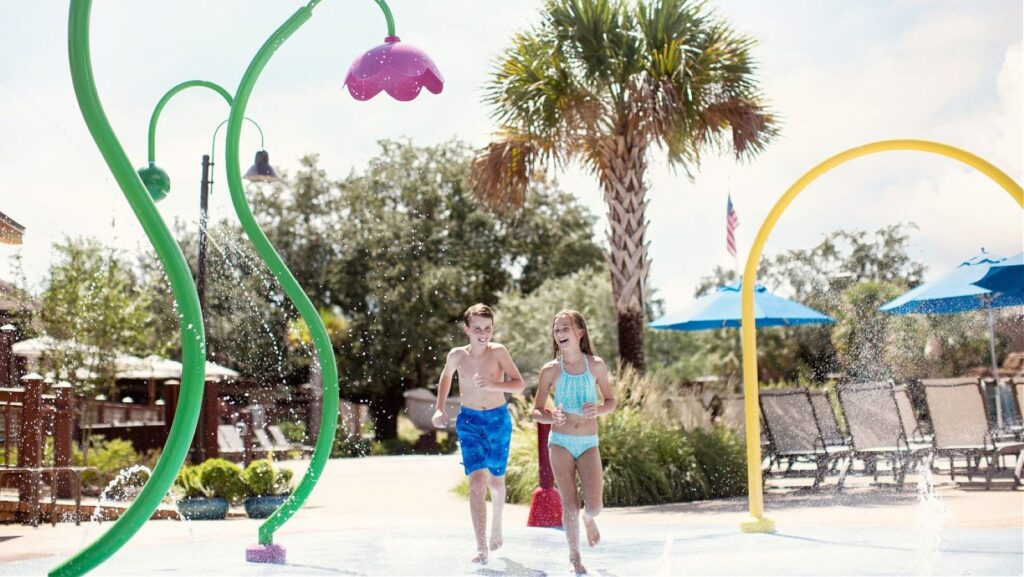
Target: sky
[[838, 74]]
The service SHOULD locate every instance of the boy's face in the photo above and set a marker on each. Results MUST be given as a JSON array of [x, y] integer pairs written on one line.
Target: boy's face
[[480, 330]]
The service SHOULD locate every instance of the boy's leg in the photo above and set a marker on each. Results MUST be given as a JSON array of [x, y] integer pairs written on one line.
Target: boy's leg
[[497, 486], [478, 511], [592, 479], [564, 468]]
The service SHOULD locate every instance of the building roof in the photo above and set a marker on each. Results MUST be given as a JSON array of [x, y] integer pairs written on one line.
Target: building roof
[[10, 230]]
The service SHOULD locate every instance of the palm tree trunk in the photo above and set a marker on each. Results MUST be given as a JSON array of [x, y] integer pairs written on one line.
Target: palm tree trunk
[[623, 165]]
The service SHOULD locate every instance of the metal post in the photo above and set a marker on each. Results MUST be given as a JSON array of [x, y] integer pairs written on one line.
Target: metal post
[[8, 334], [30, 452], [995, 365], [199, 446], [65, 405]]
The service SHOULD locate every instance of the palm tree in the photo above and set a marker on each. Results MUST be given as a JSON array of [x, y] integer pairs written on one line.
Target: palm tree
[[603, 82]]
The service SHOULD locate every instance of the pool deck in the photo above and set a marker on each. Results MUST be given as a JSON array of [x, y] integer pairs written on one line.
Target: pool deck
[[398, 516]]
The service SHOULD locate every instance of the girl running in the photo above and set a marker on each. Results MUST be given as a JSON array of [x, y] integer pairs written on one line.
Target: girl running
[[573, 380]]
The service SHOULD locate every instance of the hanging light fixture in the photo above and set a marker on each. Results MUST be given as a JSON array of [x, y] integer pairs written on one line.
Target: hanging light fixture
[[261, 171]]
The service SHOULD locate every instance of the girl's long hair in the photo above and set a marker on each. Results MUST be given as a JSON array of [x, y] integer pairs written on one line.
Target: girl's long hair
[[577, 321]]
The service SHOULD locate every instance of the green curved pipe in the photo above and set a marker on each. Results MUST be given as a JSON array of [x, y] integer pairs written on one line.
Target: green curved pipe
[[309, 313], [193, 337], [387, 16], [167, 97]]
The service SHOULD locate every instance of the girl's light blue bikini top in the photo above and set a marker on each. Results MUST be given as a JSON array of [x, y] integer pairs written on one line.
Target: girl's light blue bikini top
[[573, 391]]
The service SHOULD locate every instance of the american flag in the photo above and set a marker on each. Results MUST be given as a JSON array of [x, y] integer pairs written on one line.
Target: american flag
[[731, 222]]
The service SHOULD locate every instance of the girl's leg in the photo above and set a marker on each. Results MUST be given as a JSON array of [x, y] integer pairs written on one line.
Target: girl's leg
[[478, 511], [497, 487], [564, 468], [592, 479]]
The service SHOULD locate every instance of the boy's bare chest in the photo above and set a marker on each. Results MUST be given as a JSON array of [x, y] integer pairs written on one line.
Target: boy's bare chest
[[486, 366]]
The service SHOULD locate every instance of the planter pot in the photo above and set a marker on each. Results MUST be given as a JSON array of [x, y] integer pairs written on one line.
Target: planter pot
[[201, 509], [263, 507]]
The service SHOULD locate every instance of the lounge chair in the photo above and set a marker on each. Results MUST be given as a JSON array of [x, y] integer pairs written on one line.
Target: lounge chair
[[876, 429], [794, 433], [908, 418], [280, 441], [1018, 399], [229, 443], [269, 447], [826, 418], [959, 419], [733, 416]]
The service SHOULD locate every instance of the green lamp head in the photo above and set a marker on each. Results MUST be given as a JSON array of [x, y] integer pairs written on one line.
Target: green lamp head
[[156, 180]]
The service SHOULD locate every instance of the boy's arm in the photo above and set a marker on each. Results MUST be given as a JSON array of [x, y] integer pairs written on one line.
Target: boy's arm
[[513, 382], [444, 386]]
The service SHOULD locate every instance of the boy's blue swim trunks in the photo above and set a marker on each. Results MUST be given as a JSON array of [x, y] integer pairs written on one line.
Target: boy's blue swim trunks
[[484, 438]]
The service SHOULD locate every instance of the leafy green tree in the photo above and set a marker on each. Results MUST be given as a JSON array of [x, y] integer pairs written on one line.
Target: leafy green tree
[[402, 248], [821, 278], [246, 311], [94, 305], [605, 82], [523, 322]]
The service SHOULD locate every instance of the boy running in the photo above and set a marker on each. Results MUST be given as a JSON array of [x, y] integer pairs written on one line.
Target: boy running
[[486, 373]]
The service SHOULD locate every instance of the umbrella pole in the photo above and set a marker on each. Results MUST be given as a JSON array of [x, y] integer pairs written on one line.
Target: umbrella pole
[[995, 366]]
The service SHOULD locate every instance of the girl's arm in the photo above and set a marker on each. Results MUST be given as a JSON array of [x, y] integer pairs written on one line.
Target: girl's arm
[[540, 400], [604, 385]]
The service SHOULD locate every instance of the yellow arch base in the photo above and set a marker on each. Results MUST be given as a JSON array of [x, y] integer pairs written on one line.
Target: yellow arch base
[[758, 522]]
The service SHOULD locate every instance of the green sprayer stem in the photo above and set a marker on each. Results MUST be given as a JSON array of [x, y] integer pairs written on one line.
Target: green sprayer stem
[[167, 97], [309, 313], [193, 337]]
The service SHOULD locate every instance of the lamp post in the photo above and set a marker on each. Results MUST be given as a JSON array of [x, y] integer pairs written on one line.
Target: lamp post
[[261, 171], [398, 69], [158, 184]]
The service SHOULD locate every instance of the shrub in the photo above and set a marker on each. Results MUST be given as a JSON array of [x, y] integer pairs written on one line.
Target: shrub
[[647, 458], [261, 479], [188, 484], [108, 456], [213, 478], [722, 456], [346, 445], [294, 431], [223, 479]]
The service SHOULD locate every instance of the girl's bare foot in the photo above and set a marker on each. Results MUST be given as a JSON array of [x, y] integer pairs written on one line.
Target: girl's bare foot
[[481, 557], [593, 535], [577, 563], [496, 540]]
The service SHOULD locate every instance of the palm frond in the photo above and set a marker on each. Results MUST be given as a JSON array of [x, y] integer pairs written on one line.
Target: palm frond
[[501, 172]]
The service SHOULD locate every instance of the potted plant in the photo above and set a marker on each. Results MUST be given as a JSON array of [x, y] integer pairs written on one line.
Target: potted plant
[[267, 488], [208, 489]]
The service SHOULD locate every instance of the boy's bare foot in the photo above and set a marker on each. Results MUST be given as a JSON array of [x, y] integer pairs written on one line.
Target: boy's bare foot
[[481, 557], [496, 540], [577, 563], [593, 535]]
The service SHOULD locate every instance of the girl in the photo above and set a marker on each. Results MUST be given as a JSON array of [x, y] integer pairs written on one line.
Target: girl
[[573, 380]]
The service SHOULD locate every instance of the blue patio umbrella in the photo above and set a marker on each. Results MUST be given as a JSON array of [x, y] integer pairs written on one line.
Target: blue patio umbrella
[[1006, 277], [956, 292], [722, 308]]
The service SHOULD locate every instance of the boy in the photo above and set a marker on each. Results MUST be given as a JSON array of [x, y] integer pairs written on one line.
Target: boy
[[486, 373]]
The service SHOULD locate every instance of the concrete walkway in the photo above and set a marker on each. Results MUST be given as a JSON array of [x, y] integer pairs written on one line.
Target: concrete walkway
[[398, 516]]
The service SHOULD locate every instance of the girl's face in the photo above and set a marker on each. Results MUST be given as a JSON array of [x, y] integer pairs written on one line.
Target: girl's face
[[480, 331], [566, 335]]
